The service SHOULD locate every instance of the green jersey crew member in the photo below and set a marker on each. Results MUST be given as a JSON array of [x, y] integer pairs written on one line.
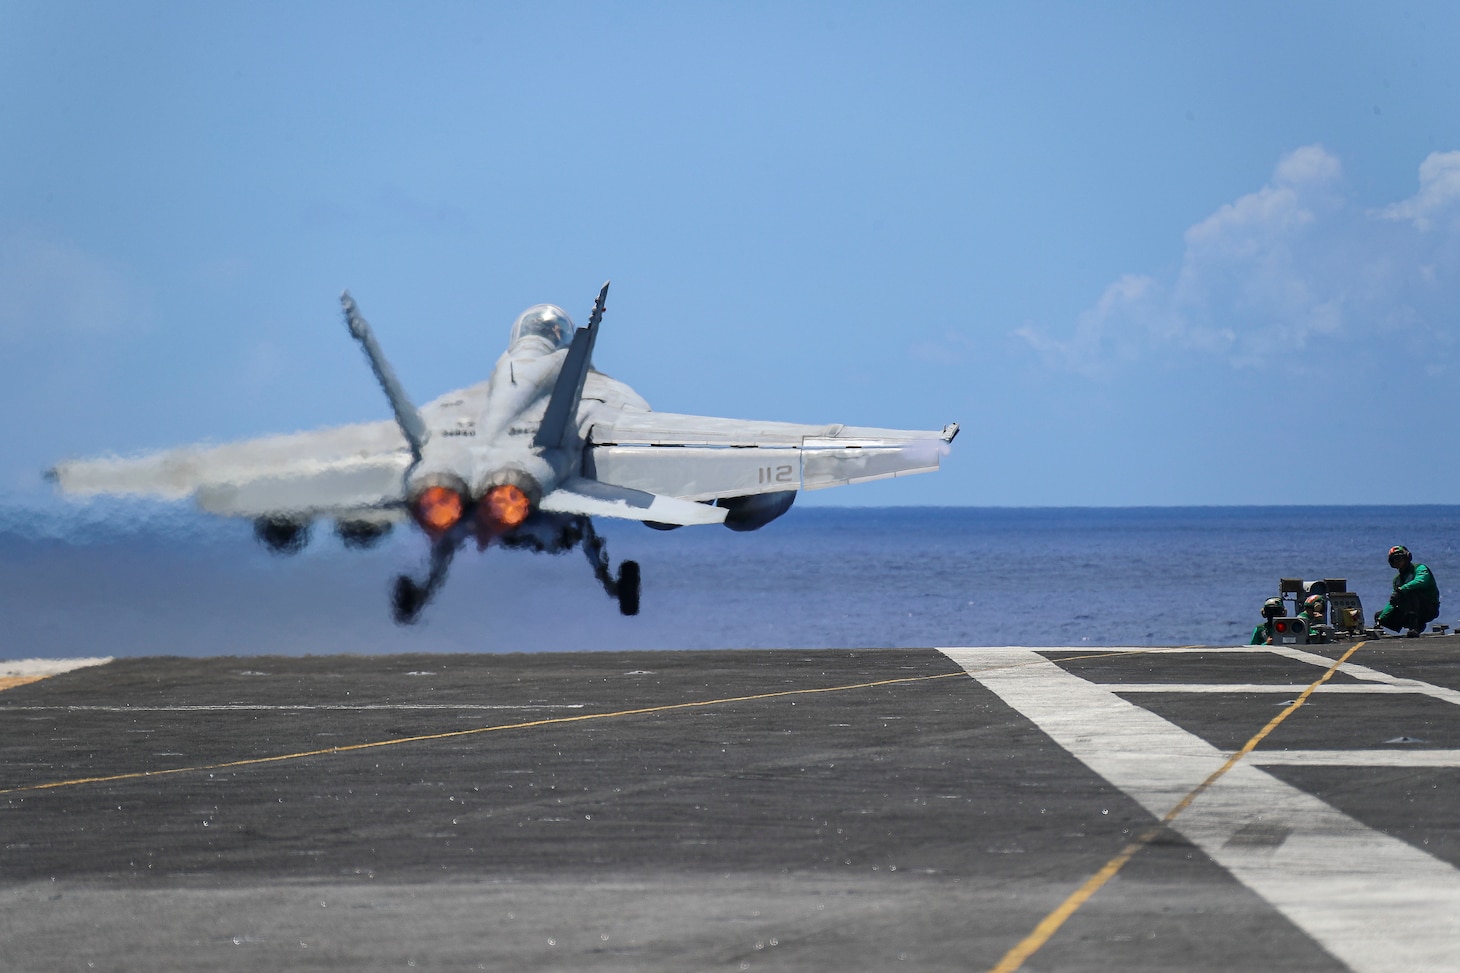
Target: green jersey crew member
[[1415, 601], [1262, 634], [1315, 613]]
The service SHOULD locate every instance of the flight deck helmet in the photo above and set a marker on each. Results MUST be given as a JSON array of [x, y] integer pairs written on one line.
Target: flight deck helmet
[[1272, 608], [1399, 556], [1313, 606]]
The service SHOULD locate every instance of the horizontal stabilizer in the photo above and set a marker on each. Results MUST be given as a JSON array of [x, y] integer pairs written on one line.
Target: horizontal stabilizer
[[590, 498]]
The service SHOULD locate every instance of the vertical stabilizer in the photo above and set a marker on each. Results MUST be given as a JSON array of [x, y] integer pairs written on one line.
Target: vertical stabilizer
[[562, 407], [407, 416]]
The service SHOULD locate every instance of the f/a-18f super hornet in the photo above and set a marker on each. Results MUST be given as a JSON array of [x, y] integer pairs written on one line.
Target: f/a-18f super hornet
[[523, 460]]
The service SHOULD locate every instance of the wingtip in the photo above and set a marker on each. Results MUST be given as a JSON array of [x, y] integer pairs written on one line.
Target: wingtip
[[950, 432]]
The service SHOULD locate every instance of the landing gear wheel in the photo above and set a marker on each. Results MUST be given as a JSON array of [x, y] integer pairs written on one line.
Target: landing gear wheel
[[407, 599], [628, 588]]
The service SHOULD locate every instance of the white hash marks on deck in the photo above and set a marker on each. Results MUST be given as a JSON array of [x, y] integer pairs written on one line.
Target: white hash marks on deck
[[1374, 902]]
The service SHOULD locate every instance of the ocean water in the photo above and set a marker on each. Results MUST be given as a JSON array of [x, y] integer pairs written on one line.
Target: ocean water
[[163, 580]]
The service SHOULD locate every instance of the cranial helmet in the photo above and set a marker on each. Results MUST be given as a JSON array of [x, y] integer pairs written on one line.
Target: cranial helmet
[[1399, 551], [1313, 604], [1272, 608]]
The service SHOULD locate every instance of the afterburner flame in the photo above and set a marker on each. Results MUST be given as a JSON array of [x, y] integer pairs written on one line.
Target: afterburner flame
[[438, 508], [505, 506]]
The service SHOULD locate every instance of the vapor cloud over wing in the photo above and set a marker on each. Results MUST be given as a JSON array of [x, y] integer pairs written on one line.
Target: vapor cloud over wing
[[1296, 268]]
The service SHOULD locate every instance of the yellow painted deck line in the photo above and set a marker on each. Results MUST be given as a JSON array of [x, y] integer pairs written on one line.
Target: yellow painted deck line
[[23, 672], [1373, 901], [454, 734], [254, 761], [1374, 675], [1050, 924], [21, 668]]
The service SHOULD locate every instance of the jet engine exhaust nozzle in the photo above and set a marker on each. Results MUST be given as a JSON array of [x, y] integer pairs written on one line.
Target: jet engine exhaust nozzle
[[438, 507], [504, 507], [505, 500]]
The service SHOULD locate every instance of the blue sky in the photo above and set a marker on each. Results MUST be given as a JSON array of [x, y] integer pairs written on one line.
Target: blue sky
[[1143, 253]]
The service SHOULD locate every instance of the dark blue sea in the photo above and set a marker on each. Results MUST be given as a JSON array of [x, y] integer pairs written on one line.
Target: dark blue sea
[[163, 580]]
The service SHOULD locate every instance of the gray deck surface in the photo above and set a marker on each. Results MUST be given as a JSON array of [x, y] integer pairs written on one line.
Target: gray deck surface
[[813, 810]]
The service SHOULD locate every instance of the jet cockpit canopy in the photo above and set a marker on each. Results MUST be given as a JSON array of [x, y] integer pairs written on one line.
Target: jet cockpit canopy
[[545, 321]]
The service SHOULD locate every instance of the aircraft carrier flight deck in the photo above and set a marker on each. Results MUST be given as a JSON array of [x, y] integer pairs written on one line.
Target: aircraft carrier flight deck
[[1192, 808]]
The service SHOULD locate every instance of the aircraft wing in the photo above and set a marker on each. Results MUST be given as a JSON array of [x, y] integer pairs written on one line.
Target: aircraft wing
[[326, 471], [705, 458]]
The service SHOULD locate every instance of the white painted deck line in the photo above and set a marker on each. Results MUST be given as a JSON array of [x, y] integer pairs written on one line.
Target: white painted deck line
[[1291, 689], [1398, 757], [290, 708], [1374, 902], [1287, 652], [1372, 675], [25, 668], [1158, 649]]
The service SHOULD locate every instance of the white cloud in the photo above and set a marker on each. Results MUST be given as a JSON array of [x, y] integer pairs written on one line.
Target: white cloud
[[1310, 165], [1438, 196], [1131, 313], [1293, 272], [48, 288]]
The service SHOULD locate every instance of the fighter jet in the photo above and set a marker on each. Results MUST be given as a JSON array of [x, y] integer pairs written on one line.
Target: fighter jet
[[524, 460]]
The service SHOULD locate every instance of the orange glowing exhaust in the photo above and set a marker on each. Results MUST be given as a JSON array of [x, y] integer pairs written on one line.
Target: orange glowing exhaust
[[438, 508], [505, 506]]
